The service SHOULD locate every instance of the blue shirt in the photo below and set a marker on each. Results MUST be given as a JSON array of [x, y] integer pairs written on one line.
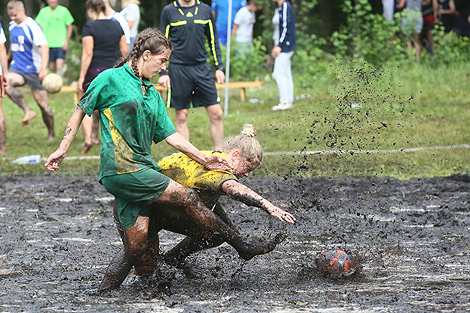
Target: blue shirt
[[26, 39], [221, 8]]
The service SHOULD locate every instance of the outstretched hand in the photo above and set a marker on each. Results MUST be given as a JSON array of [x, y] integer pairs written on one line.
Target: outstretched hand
[[53, 161], [216, 163], [283, 215]]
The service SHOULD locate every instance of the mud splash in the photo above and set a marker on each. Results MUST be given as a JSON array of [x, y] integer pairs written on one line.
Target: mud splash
[[57, 237]]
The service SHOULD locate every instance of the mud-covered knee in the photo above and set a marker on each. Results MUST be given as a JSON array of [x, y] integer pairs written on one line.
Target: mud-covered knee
[[137, 248]]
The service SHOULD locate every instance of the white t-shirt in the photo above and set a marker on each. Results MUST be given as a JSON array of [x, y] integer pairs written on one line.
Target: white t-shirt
[[116, 16], [26, 39], [275, 22], [132, 13], [3, 39], [245, 21]]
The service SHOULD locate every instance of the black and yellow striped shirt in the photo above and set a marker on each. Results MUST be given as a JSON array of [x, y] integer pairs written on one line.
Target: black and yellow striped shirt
[[186, 27]]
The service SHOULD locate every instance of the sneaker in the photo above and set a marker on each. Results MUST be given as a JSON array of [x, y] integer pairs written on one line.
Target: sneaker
[[282, 106]]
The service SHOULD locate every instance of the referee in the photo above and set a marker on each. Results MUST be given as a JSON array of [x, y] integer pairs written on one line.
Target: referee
[[190, 77]]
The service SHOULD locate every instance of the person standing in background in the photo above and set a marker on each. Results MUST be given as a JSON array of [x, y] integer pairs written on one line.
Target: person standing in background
[[412, 24], [3, 83], [284, 47], [446, 14], [103, 44], [243, 26], [190, 79], [219, 10], [131, 12], [29, 66], [388, 9], [56, 22]]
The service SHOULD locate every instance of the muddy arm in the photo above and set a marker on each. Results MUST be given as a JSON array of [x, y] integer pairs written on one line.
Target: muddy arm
[[244, 194]]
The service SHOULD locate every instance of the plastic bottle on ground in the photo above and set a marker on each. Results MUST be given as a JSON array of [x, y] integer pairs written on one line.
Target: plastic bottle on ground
[[28, 159]]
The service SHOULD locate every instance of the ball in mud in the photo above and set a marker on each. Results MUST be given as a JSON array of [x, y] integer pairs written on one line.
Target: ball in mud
[[52, 83], [335, 263]]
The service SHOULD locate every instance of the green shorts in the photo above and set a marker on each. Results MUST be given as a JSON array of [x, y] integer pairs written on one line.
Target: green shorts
[[135, 193]]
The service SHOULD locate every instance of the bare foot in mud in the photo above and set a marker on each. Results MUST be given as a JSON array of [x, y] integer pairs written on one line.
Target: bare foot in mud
[[3, 151], [261, 247], [28, 117]]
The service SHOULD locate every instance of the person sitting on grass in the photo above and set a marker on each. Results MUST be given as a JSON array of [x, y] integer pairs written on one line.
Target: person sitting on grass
[[244, 154]]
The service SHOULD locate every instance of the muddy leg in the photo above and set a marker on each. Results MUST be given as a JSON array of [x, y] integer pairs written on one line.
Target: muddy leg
[[15, 80], [188, 246], [47, 116], [148, 261], [135, 245], [206, 220]]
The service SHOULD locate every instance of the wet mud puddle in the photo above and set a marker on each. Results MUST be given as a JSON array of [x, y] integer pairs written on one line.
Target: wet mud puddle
[[411, 239]]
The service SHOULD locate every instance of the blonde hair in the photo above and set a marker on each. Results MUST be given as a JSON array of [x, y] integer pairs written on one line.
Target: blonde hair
[[246, 142]]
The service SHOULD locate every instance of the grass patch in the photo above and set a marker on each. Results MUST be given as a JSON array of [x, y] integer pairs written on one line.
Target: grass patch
[[346, 106]]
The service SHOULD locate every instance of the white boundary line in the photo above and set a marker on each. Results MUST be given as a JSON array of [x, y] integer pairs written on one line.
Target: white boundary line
[[466, 146], [462, 146]]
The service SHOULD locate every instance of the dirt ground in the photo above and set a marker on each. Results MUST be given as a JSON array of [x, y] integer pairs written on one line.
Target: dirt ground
[[411, 238]]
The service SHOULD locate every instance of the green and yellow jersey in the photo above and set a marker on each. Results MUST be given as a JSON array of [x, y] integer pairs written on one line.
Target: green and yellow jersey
[[192, 174], [130, 120]]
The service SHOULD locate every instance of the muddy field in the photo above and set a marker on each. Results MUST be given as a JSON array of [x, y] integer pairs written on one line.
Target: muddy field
[[412, 239]]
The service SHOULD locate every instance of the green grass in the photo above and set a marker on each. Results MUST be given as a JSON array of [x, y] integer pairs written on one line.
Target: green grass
[[398, 107]]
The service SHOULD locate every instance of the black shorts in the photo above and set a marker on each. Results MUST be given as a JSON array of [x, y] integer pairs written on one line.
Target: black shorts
[[56, 53], [192, 83]]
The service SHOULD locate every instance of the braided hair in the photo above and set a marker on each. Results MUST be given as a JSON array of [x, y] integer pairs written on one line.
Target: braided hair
[[151, 39]]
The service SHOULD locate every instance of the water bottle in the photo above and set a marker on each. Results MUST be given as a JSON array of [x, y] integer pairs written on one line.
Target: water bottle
[[28, 159]]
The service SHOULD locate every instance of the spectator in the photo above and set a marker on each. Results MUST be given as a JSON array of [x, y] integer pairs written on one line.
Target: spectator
[[429, 11], [29, 66], [446, 14], [103, 43], [190, 78], [3, 82], [243, 26], [412, 24], [115, 16], [462, 22], [388, 9], [220, 12], [56, 22], [131, 12], [284, 47]]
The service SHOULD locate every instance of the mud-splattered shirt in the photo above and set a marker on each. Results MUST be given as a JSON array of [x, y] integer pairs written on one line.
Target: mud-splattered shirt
[[192, 174], [130, 120]]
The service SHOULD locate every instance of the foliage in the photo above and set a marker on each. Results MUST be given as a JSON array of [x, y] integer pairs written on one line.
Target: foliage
[[73, 61], [450, 48], [246, 63], [366, 35]]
